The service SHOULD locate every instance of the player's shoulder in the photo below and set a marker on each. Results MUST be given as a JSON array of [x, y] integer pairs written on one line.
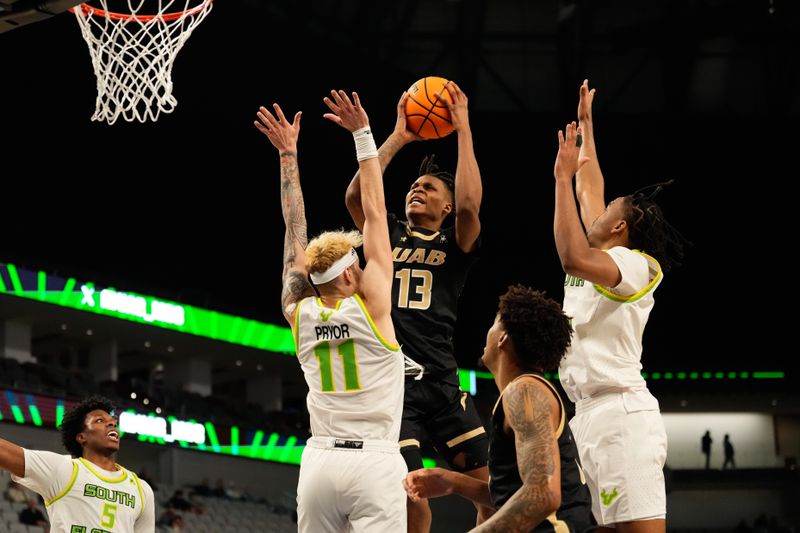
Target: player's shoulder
[[525, 392], [49, 457], [145, 486]]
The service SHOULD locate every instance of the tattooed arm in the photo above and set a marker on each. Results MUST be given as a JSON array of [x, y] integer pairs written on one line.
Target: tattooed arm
[[400, 137], [283, 136], [532, 416]]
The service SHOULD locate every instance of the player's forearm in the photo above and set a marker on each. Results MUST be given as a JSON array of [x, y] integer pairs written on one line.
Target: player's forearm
[[372, 196], [12, 458], [571, 242], [469, 189], [475, 490], [352, 198], [292, 205], [526, 509], [295, 236], [589, 178]]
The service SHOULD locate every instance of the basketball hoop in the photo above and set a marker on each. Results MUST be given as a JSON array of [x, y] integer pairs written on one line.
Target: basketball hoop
[[133, 52]]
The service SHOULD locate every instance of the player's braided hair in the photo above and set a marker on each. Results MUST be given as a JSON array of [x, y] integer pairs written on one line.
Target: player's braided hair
[[75, 421], [429, 168], [538, 327], [648, 229]]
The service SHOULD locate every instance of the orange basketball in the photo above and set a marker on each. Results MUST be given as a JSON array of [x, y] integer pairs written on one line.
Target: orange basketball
[[427, 115]]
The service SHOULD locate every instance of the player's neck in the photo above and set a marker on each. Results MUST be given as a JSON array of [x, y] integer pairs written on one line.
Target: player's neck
[[105, 461], [424, 223], [332, 298], [506, 372]]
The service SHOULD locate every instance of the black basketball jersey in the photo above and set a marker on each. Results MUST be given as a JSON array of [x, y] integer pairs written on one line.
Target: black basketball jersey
[[429, 273], [504, 481]]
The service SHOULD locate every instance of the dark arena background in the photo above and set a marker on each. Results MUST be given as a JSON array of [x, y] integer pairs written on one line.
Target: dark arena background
[[182, 215]]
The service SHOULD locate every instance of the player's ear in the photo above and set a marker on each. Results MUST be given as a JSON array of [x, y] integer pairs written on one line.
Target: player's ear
[[503, 341]]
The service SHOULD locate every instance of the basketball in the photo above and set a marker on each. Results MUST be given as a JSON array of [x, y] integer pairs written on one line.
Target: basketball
[[427, 115]]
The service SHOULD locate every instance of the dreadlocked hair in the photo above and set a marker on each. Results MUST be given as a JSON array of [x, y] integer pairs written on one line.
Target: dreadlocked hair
[[429, 168], [74, 421], [648, 229], [537, 325]]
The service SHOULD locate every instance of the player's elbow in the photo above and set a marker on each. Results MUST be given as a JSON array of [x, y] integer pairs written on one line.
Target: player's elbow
[[352, 197], [545, 499], [468, 207], [553, 500], [375, 212], [571, 263]]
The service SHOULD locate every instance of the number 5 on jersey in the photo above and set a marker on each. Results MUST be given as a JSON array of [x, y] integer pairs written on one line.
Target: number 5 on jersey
[[347, 351], [109, 515]]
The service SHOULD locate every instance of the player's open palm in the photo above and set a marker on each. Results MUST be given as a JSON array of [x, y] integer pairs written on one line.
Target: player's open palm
[[348, 114], [567, 160], [585, 103], [280, 132]]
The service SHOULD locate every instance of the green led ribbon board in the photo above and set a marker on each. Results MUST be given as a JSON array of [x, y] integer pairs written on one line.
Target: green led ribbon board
[[44, 411], [107, 301]]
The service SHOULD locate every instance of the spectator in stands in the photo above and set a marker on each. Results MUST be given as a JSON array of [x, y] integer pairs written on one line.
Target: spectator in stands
[[203, 488], [706, 446], [168, 518], [728, 454], [219, 489], [33, 516], [178, 524], [145, 475], [233, 492], [16, 493], [178, 502]]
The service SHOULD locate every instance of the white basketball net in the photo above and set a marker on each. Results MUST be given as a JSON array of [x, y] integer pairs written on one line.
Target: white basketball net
[[132, 54]]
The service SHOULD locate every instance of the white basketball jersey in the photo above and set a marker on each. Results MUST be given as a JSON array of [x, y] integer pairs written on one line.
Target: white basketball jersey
[[607, 327], [355, 378], [81, 497]]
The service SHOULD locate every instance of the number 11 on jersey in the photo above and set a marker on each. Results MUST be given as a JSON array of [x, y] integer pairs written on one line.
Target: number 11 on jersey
[[347, 351]]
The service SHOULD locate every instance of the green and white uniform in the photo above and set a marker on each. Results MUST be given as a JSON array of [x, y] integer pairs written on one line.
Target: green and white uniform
[[351, 473], [81, 497], [617, 424]]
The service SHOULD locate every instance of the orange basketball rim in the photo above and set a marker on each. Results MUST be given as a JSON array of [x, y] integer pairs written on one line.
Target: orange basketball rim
[[133, 53]]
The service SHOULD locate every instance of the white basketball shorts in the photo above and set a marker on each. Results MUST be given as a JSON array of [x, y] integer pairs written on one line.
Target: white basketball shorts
[[623, 446]]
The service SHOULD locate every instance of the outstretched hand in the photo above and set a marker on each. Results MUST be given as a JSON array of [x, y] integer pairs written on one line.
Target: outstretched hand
[[349, 115], [585, 103], [282, 134], [567, 160]]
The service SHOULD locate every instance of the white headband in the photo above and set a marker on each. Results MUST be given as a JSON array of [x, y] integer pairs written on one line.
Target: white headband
[[336, 268]]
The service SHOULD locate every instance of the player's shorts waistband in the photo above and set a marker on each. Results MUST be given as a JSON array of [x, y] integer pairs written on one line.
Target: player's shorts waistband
[[585, 405], [354, 444]]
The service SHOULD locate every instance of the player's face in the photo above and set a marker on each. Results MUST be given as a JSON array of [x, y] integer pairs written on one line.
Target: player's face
[[490, 351], [100, 432], [428, 196], [600, 230]]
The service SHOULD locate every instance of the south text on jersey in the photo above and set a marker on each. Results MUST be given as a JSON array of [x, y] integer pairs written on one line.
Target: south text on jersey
[[116, 496]]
